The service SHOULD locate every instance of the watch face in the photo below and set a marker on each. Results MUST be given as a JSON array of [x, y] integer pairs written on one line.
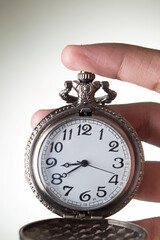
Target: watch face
[[84, 163]]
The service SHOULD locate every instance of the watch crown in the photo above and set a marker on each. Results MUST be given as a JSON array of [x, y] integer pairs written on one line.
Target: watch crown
[[86, 77]]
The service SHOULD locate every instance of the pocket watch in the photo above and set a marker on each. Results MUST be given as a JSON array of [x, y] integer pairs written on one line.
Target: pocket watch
[[84, 162]]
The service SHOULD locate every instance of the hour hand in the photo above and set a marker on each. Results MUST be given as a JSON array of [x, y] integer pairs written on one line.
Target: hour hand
[[70, 164]]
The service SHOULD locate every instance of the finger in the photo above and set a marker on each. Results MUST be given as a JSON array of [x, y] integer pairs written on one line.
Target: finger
[[149, 189], [144, 117], [129, 63], [38, 116], [151, 226]]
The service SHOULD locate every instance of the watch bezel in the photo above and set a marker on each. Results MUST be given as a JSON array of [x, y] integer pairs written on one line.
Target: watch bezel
[[69, 112]]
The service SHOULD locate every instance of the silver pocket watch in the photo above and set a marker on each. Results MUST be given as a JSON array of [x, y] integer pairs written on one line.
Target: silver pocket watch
[[84, 162]]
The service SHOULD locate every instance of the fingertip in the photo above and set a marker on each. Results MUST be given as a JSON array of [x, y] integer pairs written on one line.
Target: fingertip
[[67, 57], [35, 119], [75, 58]]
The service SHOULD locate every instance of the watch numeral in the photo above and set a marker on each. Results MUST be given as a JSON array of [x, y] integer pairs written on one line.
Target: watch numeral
[[114, 145], [85, 196], [84, 129], [120, 162], [51, 162], [66, 133], [58, 147], [101, 134], [56, 179], [114, 179], [101, 192], [67, 187]]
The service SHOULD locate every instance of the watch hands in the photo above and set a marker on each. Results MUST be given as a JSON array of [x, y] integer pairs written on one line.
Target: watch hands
[[65, 174], [83, 163]]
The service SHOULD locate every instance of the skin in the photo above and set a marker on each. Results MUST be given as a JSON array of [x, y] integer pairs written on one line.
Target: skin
[[140, 66]]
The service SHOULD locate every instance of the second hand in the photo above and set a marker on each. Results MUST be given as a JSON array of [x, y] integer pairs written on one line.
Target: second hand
[[100, 169]]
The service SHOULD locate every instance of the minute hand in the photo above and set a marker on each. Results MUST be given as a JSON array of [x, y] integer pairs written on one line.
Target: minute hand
[[100, 169], [65, 174]]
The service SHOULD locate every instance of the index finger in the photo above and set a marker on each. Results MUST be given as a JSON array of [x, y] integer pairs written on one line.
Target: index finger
[[129, 63]]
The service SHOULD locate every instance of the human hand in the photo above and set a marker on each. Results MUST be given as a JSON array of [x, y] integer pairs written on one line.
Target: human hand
[[140, 66]]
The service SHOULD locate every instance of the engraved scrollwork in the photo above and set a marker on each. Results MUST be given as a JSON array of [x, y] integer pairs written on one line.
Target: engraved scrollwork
[[86, 92]]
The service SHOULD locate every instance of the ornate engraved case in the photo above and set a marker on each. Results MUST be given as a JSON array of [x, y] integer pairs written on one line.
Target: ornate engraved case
[[44, 173]]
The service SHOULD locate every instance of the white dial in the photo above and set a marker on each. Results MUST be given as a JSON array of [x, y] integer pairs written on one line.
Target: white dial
[[84, 163]]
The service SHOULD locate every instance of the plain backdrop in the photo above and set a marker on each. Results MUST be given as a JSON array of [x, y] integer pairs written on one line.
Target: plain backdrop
[[33, 34]]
